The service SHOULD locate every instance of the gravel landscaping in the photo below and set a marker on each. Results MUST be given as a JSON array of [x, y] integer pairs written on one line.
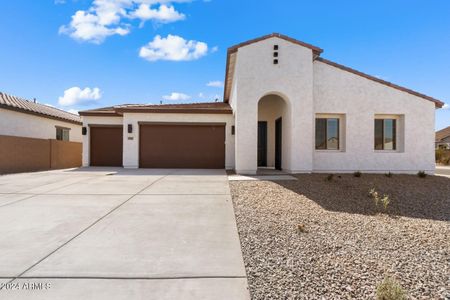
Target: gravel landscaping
[[320, 239]]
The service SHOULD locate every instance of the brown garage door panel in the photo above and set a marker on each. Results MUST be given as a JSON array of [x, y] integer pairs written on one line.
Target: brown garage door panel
[[182, 146], [106, 146]]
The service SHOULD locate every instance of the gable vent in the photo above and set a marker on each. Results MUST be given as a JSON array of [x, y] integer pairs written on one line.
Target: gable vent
[[275, 54]]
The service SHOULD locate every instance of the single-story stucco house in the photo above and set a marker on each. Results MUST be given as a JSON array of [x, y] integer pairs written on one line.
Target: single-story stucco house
[[442, 139], [36, 137], [284, 107]]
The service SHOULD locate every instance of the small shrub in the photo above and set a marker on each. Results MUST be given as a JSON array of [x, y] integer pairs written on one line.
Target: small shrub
[[388, 174], [374, 195], [378, 200], [357, 174], [438, 154], [330, 177], [301, 228], [385, 201], [389, 289], [422, 174], [446, 161]]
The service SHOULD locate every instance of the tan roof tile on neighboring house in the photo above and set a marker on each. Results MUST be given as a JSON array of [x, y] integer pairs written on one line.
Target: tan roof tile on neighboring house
[[30, 107], [442, 134], [201, 107]]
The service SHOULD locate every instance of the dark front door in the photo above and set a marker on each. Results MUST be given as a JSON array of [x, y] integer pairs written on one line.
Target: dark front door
[[278, 134], [262, 144]]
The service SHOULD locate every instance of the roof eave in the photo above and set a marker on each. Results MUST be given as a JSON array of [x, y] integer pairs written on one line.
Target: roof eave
[[99, 114], [29, 112], [438, 103], [175, 110]]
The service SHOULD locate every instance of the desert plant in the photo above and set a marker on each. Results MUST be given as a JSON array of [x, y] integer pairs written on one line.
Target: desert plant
[[330, 177], [422, 174], [446, 161], [357, 174], [374, 195], [388, 174], [301, 228], [389, 289], [378, 200], [385, 201], [438, 154]]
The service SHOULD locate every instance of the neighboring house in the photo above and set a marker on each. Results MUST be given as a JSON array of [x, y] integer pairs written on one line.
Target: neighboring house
[[284, 107], [20, 117], [443, 138], [36, 137]]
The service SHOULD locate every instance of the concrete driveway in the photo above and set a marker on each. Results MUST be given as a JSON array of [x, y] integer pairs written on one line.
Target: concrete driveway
[[110, 233]]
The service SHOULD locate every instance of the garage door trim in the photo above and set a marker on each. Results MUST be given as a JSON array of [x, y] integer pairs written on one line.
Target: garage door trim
[[105, 125], [184, 123]]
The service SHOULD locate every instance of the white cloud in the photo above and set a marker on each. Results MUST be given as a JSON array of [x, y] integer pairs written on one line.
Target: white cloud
[[216, 83], [73, 111], [446, 106], [75, 95], [177, 97], [173, 48], [111, 17], [91, 27], [163, 14], [201, 95]]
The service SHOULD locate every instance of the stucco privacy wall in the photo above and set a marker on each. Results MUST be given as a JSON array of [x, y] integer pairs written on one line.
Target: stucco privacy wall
[[23, 154], [131, 146], [93, 120], [292, 78], [26, 125], [360, 99]]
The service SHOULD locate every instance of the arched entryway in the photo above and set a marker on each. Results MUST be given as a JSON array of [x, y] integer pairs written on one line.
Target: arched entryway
[[272, 126]]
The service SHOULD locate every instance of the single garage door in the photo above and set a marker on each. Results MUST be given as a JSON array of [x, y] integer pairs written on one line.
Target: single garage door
[[199, 146], [106, 146]]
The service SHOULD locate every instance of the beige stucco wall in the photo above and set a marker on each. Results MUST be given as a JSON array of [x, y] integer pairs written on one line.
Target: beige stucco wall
[[14, 123], [360, 100], [255, 77], [94, 120], [131, 146]]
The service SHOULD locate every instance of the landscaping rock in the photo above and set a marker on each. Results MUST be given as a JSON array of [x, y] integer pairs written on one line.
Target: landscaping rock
[[348, 247]]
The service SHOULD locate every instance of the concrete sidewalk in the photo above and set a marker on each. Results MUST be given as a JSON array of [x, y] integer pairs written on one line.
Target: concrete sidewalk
[[110, 233], [443, 171]]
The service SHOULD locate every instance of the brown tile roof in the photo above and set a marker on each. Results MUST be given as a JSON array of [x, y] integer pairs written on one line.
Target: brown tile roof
[[30, 107], [437, 102], [102, 111], [194, 108], [315, 49], [231, 61], [442, 134]]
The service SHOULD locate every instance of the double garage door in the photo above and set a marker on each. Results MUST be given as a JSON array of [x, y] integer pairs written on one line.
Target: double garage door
[[164, 145]]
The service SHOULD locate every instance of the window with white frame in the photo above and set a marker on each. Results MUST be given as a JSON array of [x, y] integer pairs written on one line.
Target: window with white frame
[[327, 133], [62, 134], [385, 135]]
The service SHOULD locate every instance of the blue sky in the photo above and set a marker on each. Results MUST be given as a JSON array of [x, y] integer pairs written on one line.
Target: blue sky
[[101, 55]]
